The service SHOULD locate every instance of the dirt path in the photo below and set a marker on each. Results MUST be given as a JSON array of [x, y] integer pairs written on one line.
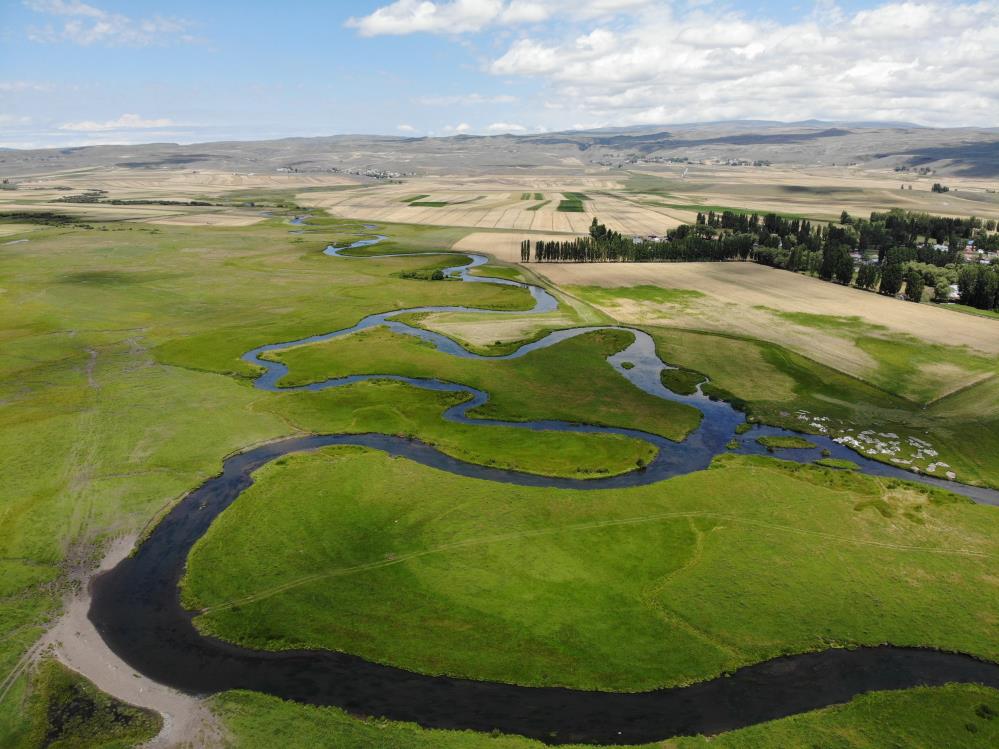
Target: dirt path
[[187, 722]]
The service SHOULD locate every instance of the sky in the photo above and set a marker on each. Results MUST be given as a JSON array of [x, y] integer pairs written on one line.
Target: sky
[[109, 71]]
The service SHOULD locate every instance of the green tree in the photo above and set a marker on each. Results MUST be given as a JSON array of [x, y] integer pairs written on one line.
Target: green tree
[[844, 266], [867, 276], [914, 284], [891, 273]]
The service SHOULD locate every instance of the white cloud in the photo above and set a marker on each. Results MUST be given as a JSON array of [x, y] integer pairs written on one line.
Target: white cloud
[[506, 127], [462, 16], [404, 128], [523, 11], [931, 62], [13, 119], [17, 86], [411, 16], [85, 24], [464, 100], [125, 122], [463, 127]]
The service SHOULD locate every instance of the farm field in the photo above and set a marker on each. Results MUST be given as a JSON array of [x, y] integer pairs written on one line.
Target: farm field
[[230, 195], [810, 192], [166, 184], [837, 326], [498, 204], [652, 200]]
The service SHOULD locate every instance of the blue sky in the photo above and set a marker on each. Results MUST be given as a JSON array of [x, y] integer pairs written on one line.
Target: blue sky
[[74, 72]]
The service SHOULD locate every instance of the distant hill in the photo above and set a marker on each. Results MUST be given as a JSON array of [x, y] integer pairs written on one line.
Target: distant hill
[[964, 151]]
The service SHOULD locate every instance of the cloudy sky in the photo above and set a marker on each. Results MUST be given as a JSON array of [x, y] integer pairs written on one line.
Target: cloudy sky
[[116, 71]]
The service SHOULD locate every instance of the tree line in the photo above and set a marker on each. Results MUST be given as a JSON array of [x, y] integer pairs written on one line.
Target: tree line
[[897, 249], [606, 246]]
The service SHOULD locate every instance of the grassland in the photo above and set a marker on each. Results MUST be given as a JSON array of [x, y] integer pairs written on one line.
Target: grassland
[[520, 389], [394, 408], [958, 717], [784, 388], [352, 550], [117, 392], [495, 335], [845, 465], [972, 310], [785, 443], [509, 272]]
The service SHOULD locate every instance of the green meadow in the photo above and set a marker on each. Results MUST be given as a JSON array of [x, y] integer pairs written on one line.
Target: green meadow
[[776, 386], [525, 388], [626, 589], [121, 386], [395, 408], [785, 443]]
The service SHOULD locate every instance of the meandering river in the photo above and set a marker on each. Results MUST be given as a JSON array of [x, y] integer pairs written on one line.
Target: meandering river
[[136, 606]]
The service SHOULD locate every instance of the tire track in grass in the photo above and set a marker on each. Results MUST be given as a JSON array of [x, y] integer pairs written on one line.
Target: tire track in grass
[[537, 533]]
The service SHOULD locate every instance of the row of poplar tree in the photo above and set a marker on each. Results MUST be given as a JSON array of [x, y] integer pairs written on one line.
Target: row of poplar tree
[[908, 247]]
